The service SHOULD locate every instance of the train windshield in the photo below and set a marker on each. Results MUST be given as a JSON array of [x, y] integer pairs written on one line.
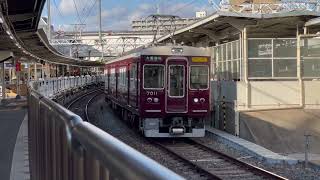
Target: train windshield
[[199, 77], [153, 76]]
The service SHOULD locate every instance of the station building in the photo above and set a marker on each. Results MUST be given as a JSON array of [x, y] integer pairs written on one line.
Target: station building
[[261, 63]]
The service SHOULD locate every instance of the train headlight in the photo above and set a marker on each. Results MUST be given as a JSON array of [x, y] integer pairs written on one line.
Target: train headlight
[[196, 100], [202, 100], [156, 100], [149, 100], [177, 50]]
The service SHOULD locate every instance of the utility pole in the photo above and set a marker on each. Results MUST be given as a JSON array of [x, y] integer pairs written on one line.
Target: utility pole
[[100, 28], [77, 31], [49, 20], [158, 8]]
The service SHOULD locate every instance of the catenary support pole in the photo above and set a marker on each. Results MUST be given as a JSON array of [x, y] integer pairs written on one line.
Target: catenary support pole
[[49, 20], [100, 29], [3, 81]]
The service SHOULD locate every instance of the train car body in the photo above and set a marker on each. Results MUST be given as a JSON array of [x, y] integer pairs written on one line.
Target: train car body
[[165, 88]]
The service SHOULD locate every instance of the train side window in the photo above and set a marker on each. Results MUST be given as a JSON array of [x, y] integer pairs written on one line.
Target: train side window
[[153, 76], [106, 85], [123, 76], [199, 77], [133, 77], [112, 76]]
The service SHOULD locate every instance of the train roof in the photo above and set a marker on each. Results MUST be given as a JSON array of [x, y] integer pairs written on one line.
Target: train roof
[[171, 50]]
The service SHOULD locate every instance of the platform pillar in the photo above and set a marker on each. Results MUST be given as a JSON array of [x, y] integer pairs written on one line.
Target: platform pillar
[[29, 72], [3, 81], [299, 69], [4, 56], [56, 69], [245, 67], [42, 71]]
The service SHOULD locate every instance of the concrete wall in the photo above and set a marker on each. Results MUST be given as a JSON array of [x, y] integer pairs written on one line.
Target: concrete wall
[[277, 94], [268, 94], [312, 94], [230, 98]]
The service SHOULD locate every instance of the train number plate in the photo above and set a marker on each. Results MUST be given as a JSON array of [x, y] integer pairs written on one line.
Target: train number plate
[[152, 93]]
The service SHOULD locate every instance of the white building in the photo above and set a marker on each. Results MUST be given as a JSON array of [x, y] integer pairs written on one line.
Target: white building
[[201, 14], [165, 23]]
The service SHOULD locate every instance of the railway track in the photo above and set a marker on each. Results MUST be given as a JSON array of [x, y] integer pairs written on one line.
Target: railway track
[[80, 104], [185, 156], [216, 163]]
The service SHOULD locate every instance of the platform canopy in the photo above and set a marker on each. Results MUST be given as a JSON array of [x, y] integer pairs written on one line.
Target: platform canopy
[[19, 33], [223, 26]]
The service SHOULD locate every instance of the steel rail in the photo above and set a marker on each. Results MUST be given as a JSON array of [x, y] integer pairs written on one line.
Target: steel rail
[[242, 165], [197, 167], [81, 97], [87, 106], [248, 166]]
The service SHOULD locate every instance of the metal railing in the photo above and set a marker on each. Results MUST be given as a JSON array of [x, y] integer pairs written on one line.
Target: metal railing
[[63, 147]]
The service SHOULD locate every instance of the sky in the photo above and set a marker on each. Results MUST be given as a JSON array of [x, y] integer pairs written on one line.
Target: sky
[[118, 14]]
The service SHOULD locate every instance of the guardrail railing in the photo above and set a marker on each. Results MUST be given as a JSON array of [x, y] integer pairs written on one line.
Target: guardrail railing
[[63, 147]]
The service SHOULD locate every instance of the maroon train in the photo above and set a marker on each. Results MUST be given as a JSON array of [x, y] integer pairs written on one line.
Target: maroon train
[[164, 90]]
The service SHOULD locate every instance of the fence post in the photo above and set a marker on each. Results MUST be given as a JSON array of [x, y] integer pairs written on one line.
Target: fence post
[[307, 148]]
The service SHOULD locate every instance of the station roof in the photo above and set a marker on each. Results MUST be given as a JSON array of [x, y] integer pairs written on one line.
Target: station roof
[[223, 26], [23, 14], [19, 33]]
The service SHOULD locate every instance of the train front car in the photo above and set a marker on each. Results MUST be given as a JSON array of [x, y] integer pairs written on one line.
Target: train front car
[[175, 91]]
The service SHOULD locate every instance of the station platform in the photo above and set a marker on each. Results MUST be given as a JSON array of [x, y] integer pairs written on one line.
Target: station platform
[[253, 149], [12, 114]]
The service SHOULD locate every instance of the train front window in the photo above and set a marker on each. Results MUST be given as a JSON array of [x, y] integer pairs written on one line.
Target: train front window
[[153, 76], [199, 77], [176, 81]]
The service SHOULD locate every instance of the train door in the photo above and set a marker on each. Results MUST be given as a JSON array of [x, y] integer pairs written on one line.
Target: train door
[[176, 89]]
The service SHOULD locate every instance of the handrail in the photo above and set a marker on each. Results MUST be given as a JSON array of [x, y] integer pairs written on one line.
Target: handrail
[[63, 146], [119, 157]]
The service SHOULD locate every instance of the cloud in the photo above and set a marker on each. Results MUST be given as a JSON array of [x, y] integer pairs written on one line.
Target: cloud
[[186, 9], [120, 17], [67, 7]]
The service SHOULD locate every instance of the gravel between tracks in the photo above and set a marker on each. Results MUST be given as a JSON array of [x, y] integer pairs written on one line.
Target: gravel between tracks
[[104, 118], [295, 172]]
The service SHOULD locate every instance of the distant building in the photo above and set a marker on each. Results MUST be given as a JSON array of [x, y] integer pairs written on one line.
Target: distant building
[[269, 6], [201, 14], [165, 23], [239, 2]]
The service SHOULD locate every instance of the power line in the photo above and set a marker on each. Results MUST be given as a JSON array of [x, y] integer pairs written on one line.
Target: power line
[[75, 5], [57, 7], [179, 9], [85, 8], [90, 11]]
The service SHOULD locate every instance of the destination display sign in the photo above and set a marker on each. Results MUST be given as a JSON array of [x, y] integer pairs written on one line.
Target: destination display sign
[[153, 58], [199, 59]]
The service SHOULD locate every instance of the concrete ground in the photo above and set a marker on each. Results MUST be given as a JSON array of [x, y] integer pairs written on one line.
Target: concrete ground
[[11, 116], [282, 131], [20, 161]]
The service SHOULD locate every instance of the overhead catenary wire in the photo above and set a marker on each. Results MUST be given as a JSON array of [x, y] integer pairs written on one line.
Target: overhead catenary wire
[[89, 11], [58, 9], [181, 8], [85, 7], [78, 15]]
